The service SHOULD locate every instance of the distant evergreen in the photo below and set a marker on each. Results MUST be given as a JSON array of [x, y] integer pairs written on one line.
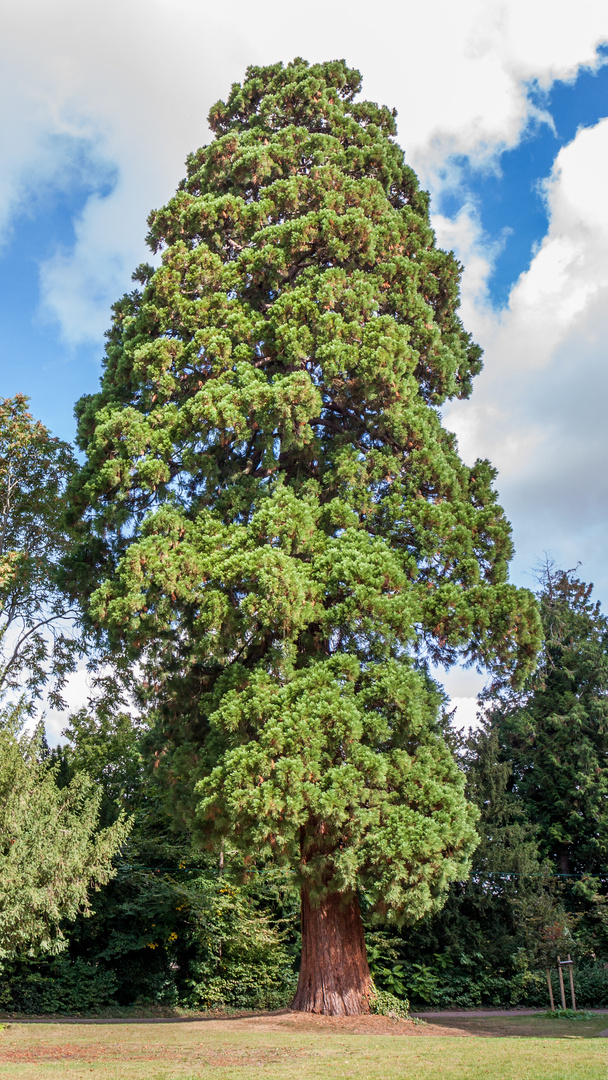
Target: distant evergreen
[[556, 732]]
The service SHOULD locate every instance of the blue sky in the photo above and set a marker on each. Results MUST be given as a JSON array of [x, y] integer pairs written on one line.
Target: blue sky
[[501, 110], [33, 358], [507, 195]]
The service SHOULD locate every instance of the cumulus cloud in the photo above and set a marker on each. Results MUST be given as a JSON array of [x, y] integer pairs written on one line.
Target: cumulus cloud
[[124, 83], [538, 410], [113, 96], [134, 79]]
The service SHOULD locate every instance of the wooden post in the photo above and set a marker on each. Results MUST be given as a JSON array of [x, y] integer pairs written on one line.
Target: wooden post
[[561, 983], [571, 974], [550, 990]]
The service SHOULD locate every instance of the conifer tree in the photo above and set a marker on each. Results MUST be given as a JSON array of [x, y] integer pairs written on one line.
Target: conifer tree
[[555, 732], [276, 525], [52, 852]]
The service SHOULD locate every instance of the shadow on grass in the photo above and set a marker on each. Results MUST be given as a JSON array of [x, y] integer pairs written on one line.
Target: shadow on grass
[[537, 1026], [136, 1015]]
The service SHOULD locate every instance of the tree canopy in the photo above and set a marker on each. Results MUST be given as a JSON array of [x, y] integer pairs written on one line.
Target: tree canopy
[[37, 642], [555, 731], [51, 851], [273, 520]]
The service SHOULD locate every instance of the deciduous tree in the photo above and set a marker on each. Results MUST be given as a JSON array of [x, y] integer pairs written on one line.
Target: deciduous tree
[[37, 642]]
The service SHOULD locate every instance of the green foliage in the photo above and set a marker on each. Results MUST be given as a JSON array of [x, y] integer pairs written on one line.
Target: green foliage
[[479, 930], [105, 743], [569, 1014], [470, 980], [555, 733], [155, 940], [36, 637], [61, 985], [508, 840], [186, 939], [466, 982], [590, 984], [399, 807], [491, 942], [547, 928], [272, 519], [167, 934], [51, 851], [386, 1004], [169, 929], [241, 960], [501, 928]]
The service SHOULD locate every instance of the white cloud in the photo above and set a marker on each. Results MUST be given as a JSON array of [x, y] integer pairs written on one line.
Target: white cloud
[[466, 715], [462, 685], [135, 78], [123, 87], [76, 694], [539, 409]]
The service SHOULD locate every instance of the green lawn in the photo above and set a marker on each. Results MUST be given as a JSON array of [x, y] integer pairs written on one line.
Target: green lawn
[[284, 1048]]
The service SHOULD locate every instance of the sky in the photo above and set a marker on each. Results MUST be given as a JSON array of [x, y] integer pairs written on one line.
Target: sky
[[502, 111]]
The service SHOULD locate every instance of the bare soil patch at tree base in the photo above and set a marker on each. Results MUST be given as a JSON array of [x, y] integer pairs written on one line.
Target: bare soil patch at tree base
[[359, 1025]]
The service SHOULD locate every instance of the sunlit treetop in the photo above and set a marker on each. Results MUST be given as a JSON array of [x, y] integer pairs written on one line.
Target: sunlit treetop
[[295, 342], [273, 520]]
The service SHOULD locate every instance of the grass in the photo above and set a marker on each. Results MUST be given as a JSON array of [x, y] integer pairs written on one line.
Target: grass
[[281, 1047], [535, 1026]]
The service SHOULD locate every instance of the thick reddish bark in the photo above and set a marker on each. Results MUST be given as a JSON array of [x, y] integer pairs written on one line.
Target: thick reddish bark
[[334, 973]]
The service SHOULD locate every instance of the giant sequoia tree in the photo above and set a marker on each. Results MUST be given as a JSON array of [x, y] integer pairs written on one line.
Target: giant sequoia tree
[[275, 523]]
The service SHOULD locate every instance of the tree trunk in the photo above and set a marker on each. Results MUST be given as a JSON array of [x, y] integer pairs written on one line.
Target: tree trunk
[[564, 861], [334, 973]]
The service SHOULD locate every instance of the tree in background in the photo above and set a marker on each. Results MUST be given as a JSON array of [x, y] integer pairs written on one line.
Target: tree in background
[[103, 741], [555, 732], [51, 851], [507, 866], [37, 642], [473, 952], [537, 772], [169, 928], [276, 526]]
